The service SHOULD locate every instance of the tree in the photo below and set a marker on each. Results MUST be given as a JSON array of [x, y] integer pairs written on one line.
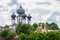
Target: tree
[[33, 36], [6, 27], [4, 34], [37, 36], [39, 24], [35, 26], [53, 26], [18, 28], [22, 36], [7, 34], [40, 36], [11, 34], [51, 36], [24, 28]]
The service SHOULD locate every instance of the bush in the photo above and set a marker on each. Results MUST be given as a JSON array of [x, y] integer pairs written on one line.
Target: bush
[[40, 36], [7, 34], [24, 28], [22, 36]]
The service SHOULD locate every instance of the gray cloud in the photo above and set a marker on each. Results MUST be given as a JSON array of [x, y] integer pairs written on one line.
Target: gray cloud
[[43, 3], [58, 0], [53, 18], [13, 2], [1, 6], [38, 15]]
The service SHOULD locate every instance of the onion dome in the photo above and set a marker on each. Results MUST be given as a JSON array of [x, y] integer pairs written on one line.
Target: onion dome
[[24, 16], [20, 10], [29, 17], [13, 16]]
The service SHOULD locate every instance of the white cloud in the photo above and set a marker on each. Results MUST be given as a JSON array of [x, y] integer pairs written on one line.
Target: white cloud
[[36, 11]]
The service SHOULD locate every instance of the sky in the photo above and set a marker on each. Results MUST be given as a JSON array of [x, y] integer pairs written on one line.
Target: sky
[[40, 10]]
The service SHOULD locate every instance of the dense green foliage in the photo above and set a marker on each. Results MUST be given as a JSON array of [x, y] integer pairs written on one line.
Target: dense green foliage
[[52, 26], [28, 32], [23, 28], [41, 36], [7, 34], [25, 32], [35, 26]]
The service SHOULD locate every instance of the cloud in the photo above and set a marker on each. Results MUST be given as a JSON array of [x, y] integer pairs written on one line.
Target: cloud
[[13, 2], [43, 3], [39, 14], [55, 17], [1, 6], [57, 0], [40, 10]]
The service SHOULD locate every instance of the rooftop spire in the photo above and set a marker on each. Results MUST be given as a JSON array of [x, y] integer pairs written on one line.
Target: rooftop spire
[[13, 13], [20, 6]]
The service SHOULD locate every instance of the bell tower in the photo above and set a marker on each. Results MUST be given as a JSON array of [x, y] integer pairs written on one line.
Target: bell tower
[[13, 18], [29, 19]]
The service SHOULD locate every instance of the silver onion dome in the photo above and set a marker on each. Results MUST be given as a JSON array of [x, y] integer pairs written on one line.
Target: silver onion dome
[[20, 10]]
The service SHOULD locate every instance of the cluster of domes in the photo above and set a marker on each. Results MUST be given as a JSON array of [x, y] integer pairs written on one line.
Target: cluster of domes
[[21, 13]]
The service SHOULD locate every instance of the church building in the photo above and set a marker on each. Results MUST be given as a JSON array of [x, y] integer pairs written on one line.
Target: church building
[[21, 18]]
